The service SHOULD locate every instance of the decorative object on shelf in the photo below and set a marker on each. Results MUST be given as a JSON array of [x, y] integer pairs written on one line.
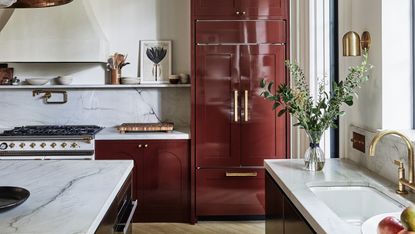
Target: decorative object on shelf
[[63, 80], [37, 81], [130, 80], [48, 95], [6, 75], [174, 79], [155, 61], [15, 81], [353, 44], [115, 64], [184, 78], [32, 3], [145, 127], [315, 115]]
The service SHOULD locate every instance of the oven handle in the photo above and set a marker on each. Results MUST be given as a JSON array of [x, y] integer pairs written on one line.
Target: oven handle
[[123, 226]]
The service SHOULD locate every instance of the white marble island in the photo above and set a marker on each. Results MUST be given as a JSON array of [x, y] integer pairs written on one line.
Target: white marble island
[[295, 182], [65, 196]]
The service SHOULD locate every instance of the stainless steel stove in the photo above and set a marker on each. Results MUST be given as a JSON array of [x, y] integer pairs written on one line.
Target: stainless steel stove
[[49, 142]]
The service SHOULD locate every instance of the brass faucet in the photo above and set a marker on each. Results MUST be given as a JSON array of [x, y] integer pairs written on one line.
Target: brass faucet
[[402, 181]]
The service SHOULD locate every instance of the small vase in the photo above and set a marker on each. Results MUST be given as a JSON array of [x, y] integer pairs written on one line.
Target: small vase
[[314, 157], [115, 76]]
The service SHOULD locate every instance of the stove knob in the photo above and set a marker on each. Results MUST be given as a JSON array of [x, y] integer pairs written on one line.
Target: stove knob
[[43, 145], [22, 145], [12, 145], [74, 145], [53, 145], [64, 145], [3, 146], [32, 145]]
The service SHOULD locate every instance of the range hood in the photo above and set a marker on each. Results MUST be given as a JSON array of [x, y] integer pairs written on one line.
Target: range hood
[[68, 33]]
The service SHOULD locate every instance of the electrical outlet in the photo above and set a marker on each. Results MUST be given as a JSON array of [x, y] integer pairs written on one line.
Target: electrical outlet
[[359, 142]]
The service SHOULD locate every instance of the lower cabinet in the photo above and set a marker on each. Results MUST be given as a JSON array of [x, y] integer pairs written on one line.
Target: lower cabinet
[[161, 176], [281, 215]]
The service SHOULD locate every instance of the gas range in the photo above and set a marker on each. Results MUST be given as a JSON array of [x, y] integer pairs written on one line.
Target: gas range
[[49, 142]]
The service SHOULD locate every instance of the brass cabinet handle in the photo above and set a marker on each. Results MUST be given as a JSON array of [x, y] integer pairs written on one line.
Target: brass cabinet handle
[[139, 146], [238, 13], [243, 13], [145, 146], [241, 174], [235, 103], [246, 104]]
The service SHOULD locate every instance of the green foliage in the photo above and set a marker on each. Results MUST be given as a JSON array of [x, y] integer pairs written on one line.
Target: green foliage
[[316, 114]]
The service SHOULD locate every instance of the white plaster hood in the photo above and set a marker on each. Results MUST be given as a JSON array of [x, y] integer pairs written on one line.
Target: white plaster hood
[[68, 33]]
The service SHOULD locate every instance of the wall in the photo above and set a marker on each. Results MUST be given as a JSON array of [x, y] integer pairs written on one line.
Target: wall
[[124, 23]]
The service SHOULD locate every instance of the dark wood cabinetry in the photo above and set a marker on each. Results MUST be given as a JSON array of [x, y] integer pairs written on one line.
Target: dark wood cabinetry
[[161, 176], [240, 9], [281, 215]]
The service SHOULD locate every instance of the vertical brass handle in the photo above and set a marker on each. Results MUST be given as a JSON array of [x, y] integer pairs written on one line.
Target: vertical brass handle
[[235, 105], [246, 104]]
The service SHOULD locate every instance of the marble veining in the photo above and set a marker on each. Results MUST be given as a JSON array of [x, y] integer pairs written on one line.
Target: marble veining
[[66, 196], [106, 108], [295, 182]]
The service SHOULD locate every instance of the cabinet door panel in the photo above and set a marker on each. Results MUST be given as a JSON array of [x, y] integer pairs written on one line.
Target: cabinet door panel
[[218, 194], [217, 133], [166, 181], [265, 9], [215, 8], [274, 211], [263, 134]]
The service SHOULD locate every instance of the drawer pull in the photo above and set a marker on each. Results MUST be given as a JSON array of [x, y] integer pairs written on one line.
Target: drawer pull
[[239, 174]]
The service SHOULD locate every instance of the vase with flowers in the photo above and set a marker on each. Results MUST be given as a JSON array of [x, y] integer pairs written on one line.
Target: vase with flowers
[[315, 114]]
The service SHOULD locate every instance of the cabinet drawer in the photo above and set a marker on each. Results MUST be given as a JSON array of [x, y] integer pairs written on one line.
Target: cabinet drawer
[[212, 32], [230, 192]]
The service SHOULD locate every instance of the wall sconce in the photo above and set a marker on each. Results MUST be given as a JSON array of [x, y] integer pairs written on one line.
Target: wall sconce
[[353, 44]]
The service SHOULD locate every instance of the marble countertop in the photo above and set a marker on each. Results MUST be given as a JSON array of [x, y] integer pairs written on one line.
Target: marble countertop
[[294, 181], [114, 134], [66, 196]]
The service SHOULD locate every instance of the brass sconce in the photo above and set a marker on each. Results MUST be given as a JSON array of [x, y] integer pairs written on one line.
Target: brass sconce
[[353, 44]]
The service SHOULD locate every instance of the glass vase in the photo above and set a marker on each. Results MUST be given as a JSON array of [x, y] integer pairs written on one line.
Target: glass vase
[[314, 157]]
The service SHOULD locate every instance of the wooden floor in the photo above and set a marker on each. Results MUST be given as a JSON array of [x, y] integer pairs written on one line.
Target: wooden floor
[[205, 227]]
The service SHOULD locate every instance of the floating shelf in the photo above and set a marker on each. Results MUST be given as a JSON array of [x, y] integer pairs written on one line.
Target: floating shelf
[[81, 86]]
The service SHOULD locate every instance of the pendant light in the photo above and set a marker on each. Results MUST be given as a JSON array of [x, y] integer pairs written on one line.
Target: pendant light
[[353, 43], [36, 3]]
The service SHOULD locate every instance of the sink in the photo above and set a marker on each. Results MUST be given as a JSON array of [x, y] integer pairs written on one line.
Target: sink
[[356, 204]]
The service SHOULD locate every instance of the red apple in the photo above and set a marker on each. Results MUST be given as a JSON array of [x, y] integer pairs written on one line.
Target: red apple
[[389, 225]]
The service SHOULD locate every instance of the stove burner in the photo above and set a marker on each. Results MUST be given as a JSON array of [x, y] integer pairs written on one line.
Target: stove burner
[[53, 130]]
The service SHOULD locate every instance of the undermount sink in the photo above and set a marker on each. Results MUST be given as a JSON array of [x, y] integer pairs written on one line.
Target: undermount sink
[[356, 204]]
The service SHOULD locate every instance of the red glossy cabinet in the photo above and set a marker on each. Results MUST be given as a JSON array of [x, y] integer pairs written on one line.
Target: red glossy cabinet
[[240, 9], [161, 176]]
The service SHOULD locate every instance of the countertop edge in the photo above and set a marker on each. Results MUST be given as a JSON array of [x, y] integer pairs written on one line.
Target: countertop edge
[[111, 133], [109, 201]]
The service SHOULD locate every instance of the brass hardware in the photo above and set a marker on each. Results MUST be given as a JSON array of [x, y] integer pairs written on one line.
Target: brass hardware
[[32, 145], [53, 145], [48, 95], [401, 187], [402, 181], [235, 105], [139, 146], [243, 13], [12, 145], [38, 3], [43, 145], [22, 145], [145, 146], [74, 145], [353, 43], [241, 174], [238, 13], [246, 104], [63, 145], [88, 139]]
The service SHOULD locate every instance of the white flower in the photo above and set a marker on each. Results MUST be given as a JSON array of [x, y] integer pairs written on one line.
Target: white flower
[[7, 3]]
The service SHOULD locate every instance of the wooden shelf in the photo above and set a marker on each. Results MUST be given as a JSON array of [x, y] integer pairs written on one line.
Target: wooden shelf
[[82, 86]]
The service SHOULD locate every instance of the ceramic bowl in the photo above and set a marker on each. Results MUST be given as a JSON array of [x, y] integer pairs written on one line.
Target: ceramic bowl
[[37, 81], [64, 80], [130, 80], [174, 79]]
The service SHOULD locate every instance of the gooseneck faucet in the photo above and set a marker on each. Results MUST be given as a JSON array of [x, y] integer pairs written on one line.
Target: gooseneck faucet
[[402, 181]]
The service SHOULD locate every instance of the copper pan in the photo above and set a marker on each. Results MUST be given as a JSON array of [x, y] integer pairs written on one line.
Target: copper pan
[[38, 3]]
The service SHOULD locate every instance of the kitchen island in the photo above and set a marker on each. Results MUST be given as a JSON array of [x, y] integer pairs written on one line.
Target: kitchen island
[[65, 196], [288, 185]]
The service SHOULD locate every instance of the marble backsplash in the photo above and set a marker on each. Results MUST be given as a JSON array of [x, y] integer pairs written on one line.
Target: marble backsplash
[[390, 148], [103, 107]]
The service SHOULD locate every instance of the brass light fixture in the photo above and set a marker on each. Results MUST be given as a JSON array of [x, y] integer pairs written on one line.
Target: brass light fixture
[[38, 3], [353, 44]]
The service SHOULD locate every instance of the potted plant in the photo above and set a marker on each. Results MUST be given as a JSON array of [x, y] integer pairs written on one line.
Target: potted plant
[[315, 114]]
